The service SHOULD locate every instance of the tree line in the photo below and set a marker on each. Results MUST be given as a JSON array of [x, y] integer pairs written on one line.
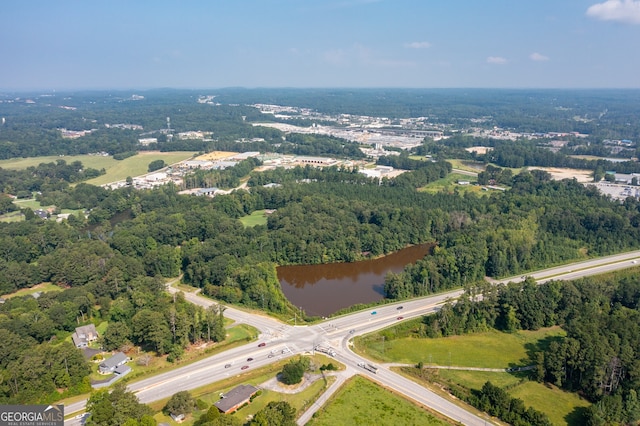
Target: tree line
[[599, 355], [44, 177]]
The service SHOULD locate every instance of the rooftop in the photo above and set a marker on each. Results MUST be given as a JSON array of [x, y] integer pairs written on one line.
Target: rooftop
[[235, 396]]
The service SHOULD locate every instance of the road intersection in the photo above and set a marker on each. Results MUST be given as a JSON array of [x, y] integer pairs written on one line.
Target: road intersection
[[285, 340]]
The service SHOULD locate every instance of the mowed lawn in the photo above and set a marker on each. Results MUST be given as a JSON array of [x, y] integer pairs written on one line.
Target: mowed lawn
[[116, 170], [492, 349], [256, 218], [449, 182], [361, 402], [562, 408], [40, 288]]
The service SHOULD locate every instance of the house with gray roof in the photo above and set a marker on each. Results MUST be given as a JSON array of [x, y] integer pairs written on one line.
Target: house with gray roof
[[111, 365], [84, 335]]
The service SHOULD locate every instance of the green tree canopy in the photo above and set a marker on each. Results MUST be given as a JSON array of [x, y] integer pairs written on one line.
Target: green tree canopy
[[117, 408], [180, 403], [276, 413], [293, 371]]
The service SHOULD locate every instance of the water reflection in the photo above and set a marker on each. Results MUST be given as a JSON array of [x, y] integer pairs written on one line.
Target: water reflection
[[324, 289]]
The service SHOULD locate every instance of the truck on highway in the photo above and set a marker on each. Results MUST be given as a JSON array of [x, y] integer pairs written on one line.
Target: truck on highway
[[327, 351], [369, 367]]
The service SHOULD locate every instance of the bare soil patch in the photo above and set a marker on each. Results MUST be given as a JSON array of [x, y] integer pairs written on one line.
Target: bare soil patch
[[561, 173], [215, 155], [277, 386]]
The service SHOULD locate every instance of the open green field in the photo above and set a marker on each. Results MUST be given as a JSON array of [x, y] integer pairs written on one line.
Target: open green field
[[256, 218], [42, 288], [30, 203], [449, 182], [492, 349], [563, 408], [476, 379], [468, 165], [12, 217], [116, 170], [361, 402]]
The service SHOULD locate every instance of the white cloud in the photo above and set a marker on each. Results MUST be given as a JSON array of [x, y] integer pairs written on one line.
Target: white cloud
[[418, 45], [499, 60], [627, 11], [538, 57]]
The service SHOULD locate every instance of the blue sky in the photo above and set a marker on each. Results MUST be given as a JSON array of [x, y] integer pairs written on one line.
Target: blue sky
[[139, 44]]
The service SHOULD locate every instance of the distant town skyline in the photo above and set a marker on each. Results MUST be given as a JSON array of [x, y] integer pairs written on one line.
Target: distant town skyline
[[76, 45]]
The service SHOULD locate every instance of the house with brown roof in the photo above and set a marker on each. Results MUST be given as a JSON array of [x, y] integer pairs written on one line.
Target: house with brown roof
[[235, 398]]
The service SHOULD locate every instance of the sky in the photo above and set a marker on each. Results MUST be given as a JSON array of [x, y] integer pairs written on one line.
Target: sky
[[202, 44]]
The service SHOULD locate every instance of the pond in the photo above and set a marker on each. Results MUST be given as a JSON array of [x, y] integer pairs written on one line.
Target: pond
[[321, 290]]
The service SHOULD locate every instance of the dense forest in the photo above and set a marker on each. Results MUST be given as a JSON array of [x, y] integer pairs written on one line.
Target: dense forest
[[321, 216]]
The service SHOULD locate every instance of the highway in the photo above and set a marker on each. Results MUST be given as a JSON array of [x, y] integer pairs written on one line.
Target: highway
[[285, 340]]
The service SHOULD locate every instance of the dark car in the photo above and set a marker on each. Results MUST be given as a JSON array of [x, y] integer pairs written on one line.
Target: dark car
[[244, 367], [249, 359], [227, 365], [399, 307], [399, 318], [262, 344]]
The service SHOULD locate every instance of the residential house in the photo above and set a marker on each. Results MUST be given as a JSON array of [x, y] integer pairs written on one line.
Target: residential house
[[84, 335], [236, 398], [112, 364]]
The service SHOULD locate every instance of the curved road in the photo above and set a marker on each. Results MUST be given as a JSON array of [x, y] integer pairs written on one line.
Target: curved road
[[283, 340]]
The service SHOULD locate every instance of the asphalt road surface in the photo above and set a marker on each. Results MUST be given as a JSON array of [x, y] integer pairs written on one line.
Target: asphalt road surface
[[285, 340]]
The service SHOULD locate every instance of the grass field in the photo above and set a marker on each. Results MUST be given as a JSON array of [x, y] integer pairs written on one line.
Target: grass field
[[256, 218], [450, 182], [361, 402], [31, 203], [486, 350], [12, 217], [137, 165], [468, 165], [563, 408], [42, 288], [116, 170]]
